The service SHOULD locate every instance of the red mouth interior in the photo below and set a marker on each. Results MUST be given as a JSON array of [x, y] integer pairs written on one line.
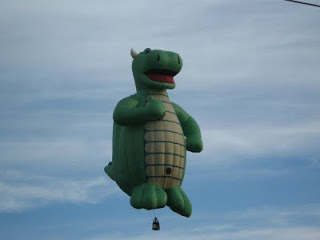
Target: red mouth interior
[[160, 78]]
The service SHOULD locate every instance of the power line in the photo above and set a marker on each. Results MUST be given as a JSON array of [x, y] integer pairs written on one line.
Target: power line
[[310, 4]]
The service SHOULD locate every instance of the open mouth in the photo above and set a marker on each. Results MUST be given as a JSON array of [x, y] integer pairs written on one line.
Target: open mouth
[[158, 75]]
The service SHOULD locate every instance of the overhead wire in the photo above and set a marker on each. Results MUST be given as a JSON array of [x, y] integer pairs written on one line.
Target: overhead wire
[[305, 3]]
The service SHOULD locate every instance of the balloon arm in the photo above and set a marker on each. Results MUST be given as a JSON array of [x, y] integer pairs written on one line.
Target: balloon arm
[[190, 129], [130, 111]]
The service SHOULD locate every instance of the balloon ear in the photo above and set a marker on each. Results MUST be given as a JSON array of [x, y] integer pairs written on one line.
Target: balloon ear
[[133, 53]]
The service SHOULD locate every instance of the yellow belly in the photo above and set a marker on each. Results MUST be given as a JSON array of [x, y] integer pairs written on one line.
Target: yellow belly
[[164, 146]]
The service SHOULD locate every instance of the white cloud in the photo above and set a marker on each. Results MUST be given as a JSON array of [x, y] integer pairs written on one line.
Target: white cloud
[[278, 216], [217, 233], [79, 50], [19, 191], [256, 141], [267, 223], [52, 155]]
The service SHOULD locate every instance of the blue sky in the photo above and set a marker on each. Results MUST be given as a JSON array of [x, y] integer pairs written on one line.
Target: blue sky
[[250, 79]]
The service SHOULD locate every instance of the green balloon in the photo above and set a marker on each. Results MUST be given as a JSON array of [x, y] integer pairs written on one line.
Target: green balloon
[[151, 135]]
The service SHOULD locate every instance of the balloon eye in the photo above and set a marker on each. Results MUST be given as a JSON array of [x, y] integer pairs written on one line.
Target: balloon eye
[[147, 50]]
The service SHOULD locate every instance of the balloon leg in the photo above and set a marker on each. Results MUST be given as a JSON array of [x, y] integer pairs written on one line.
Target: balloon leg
[[148, 196], [178, 201]]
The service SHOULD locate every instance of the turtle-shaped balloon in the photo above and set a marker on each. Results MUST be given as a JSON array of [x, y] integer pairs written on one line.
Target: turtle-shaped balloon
[[151, 135]]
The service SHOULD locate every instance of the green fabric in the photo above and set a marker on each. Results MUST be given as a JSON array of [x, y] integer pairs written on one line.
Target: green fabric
[[154, 59], [190, 128], [178, 201], [128, 168], [148, 196]]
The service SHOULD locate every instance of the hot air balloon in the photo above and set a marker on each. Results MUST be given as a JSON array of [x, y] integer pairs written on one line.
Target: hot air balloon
[[151, 135]]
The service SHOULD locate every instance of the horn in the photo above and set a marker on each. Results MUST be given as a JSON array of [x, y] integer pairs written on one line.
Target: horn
[[133, 53]]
